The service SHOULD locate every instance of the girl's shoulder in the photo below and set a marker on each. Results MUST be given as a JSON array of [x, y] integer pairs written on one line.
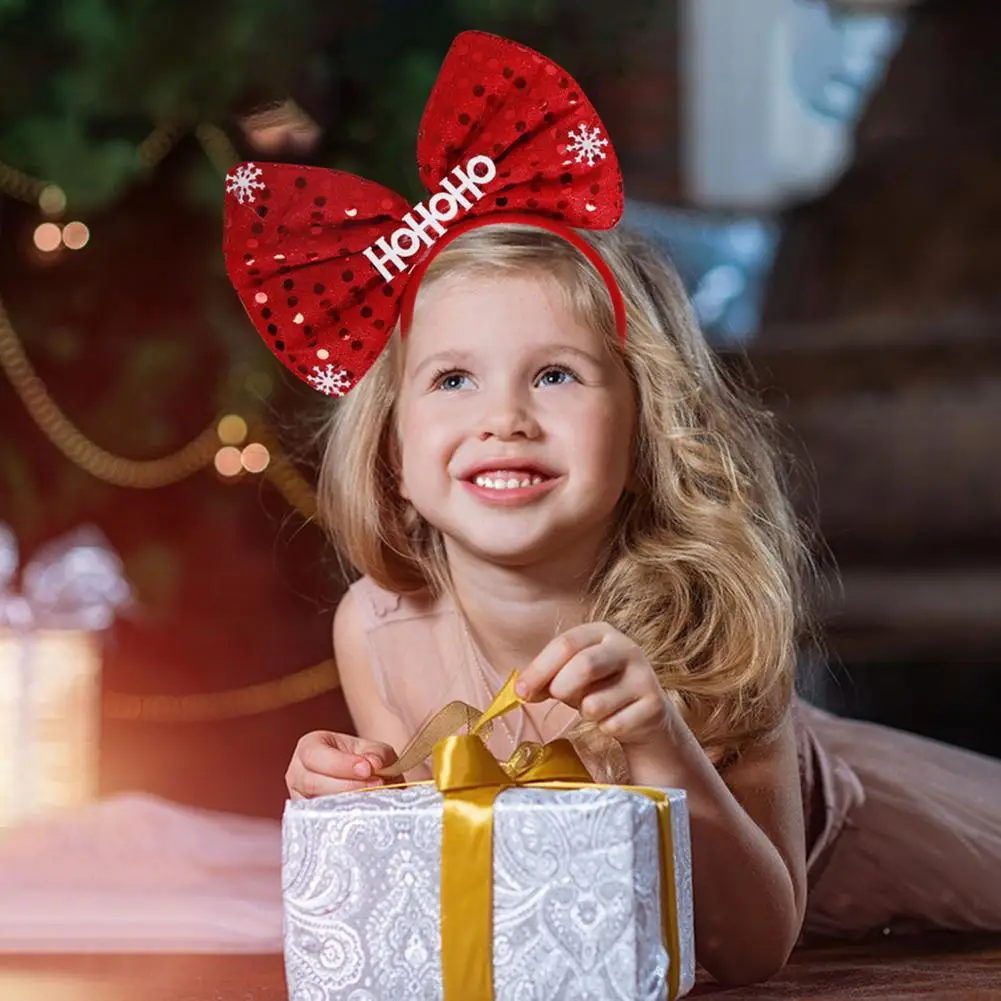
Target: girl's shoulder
[[378, 606]]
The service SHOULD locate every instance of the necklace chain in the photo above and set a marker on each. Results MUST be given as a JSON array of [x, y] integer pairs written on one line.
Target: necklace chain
[[481, 669]]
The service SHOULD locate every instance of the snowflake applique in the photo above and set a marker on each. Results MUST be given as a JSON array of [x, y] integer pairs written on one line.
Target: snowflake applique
[[330, 381], [586, 144], [242, 182]]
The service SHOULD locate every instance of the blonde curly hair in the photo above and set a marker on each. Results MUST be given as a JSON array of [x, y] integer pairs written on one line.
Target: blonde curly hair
[[705, 564]]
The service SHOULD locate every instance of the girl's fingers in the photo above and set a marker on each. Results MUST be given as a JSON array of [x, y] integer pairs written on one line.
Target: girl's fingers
[[534, 681], [634, 721], [326, 760], [312, 784], [604, 700], [597, 665]]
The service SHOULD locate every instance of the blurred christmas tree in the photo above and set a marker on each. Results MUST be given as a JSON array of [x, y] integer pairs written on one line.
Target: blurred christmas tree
[[138, 336]]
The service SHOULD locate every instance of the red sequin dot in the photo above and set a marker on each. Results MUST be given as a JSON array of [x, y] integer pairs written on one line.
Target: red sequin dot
[[520, 83], [508, 72], [479, 90], [595, 188], [463, 119], [566, 177], [300, 182], [315, 230], [348, 276], [550, 70], [519, 126]]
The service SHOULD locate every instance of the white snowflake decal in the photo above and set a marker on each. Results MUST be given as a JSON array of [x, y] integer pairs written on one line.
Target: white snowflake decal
[[586, 145], [330, 381], [242, 181]]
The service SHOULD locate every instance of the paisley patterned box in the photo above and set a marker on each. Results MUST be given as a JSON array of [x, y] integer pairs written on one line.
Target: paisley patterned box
[[576, 899]]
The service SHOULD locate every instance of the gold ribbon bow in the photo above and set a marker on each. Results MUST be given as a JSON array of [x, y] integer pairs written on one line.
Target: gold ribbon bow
[[470, 779]]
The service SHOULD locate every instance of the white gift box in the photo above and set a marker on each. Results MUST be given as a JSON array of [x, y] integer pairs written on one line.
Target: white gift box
[[576, 896]]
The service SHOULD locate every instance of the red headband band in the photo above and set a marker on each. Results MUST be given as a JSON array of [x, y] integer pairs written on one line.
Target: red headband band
[[325, 262]]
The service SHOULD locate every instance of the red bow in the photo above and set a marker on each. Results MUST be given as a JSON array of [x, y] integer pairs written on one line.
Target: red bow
[[321, 258]]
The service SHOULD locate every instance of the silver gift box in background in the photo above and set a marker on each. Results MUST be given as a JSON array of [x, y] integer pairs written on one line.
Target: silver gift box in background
[[576, 908]]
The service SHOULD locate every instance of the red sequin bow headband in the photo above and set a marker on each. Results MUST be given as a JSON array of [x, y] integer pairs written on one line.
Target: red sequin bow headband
[[325, 262]]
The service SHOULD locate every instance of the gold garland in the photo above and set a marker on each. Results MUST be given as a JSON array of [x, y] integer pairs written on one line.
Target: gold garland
[[198, 454], [80, 450], [251, 700]]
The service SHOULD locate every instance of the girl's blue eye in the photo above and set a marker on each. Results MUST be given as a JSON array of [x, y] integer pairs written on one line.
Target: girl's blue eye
[[441, 380], [558, 370]]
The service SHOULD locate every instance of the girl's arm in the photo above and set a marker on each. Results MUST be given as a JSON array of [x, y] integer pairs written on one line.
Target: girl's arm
[[748, 847], [372, 718]]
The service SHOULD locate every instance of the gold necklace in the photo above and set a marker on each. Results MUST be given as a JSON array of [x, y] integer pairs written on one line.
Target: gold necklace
[[471, 645]]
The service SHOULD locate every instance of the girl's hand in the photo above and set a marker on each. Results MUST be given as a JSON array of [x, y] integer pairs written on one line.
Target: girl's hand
[[607, 678], [327, 763]]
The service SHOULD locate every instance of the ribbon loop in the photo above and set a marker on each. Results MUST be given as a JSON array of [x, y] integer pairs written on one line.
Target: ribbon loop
[[463, 762]]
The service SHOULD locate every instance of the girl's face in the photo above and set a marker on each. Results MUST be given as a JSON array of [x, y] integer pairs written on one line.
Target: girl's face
[[515, 422]]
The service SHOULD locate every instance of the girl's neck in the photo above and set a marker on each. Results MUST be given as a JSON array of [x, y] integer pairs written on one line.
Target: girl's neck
[[512, 614]]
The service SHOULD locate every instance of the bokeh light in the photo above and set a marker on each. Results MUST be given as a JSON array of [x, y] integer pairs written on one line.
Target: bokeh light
[[228, 461], [48, 236], [52, 200], [255, 457], [232, 430], [76, 235]]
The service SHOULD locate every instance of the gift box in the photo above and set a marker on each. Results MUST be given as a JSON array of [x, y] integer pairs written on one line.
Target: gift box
[[53, 612], [510, 882]]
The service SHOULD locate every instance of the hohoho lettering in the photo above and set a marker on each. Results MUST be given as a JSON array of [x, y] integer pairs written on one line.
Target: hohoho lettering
[[423, 224]]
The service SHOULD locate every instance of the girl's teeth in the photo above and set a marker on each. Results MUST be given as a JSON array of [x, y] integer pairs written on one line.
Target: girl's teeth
[[510, 483]]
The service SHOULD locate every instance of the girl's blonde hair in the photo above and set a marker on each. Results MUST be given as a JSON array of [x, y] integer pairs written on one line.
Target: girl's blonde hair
[[704, 566]]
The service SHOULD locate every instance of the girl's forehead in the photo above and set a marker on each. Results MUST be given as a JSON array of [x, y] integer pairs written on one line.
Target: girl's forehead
[[495, 314]]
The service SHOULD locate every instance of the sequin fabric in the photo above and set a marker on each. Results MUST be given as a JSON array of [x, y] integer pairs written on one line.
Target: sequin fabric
[[320, 258]]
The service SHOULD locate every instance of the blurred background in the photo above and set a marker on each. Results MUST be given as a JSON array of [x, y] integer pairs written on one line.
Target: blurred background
[[825, 176]]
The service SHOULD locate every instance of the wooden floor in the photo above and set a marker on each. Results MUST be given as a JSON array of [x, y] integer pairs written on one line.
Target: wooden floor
[[936, 968]]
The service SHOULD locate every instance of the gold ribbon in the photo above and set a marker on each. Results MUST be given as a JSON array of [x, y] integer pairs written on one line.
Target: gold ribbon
[[470, 779]]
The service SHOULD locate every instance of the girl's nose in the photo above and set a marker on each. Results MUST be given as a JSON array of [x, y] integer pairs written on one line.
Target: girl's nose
[[508, 416]]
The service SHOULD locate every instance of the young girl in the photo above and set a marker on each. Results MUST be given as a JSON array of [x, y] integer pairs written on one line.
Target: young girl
[[549, 474]]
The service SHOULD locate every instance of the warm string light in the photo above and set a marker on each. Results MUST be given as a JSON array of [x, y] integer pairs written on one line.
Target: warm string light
[[224, 445]]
